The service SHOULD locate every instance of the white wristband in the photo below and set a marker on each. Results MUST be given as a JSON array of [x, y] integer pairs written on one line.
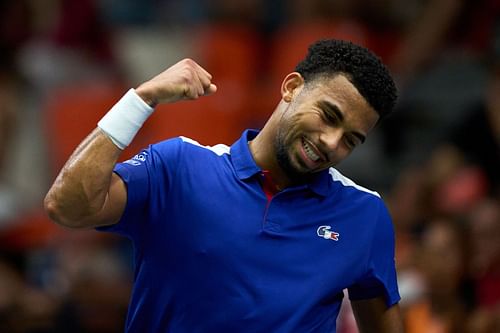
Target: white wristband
[[125, 118]]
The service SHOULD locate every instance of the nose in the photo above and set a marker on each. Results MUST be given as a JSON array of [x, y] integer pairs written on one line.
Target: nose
[[331, 138]]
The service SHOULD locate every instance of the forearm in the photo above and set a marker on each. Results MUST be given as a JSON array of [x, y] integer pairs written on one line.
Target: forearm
[[81, 188], [86, 193]]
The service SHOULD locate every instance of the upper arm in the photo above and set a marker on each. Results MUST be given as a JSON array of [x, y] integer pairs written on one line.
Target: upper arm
[[372, 315], [114, 205], [86, 192], [111, 210]]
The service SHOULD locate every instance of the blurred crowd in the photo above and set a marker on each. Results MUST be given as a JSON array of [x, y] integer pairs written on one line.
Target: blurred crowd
[[436, 161]]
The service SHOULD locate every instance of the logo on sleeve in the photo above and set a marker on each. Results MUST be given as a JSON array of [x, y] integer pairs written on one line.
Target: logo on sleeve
[[137, 159], [324, 232]]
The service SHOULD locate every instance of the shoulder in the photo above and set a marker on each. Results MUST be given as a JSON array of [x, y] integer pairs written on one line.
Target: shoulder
[[174, 151], [193, 145], [182, 153], [179, 146], [347, 185], [356, 196]]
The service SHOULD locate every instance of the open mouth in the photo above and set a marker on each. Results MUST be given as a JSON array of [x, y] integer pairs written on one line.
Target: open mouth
[[310, 153]]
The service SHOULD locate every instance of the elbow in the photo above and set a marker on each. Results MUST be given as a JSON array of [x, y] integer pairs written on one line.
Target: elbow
[[51, 209], [56, 214]]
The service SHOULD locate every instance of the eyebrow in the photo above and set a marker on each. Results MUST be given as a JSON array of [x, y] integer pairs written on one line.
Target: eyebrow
[[329, 107]]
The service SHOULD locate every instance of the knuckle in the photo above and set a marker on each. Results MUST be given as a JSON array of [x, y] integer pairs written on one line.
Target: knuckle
[[189, 62], [186, 79], [189, 73]]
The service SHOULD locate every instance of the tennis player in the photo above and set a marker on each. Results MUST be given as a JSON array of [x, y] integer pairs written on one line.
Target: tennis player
[[260, 236]]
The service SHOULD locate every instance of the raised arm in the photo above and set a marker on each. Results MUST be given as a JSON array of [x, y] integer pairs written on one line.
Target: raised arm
[[87, 193]]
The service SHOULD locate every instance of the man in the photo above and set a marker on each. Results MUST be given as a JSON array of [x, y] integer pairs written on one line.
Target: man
[[262, 236]]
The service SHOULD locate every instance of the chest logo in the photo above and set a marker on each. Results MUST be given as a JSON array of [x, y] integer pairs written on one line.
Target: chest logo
[[324, 232]]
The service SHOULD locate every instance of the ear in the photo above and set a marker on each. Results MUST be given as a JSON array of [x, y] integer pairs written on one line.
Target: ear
[[291, 85]]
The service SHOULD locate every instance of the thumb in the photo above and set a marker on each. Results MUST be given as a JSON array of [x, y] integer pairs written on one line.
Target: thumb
[[210, 90]]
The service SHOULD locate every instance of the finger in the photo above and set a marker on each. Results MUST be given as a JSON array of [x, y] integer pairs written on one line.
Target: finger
[[210, 90], [204, 76], [192, 88], [205, 81], [191, 93], [195, 91], [200, 87], [195, 86], [204, 71]]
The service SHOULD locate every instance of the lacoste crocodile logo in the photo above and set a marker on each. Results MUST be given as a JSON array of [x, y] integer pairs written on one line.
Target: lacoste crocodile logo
[[324, 232]]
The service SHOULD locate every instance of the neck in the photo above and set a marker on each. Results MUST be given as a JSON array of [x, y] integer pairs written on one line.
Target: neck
[[263, 151]]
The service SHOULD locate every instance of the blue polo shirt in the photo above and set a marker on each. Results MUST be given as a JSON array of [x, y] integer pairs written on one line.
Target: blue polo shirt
[[212, 254]]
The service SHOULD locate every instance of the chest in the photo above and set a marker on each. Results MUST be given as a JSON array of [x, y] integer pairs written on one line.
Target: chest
[[229, 229]]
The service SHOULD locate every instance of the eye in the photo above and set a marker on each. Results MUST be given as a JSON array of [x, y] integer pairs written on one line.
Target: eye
[[330, 118], [350, 141]]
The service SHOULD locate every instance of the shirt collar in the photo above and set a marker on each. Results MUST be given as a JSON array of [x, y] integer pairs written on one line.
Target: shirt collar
[[242, 158], [245, 166]]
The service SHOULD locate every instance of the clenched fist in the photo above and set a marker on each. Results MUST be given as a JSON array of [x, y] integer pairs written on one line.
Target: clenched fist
[[184, 80]]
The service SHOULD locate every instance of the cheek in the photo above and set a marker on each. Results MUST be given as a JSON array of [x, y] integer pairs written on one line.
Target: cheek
[[304, 114], [291, 127], [313, 121]]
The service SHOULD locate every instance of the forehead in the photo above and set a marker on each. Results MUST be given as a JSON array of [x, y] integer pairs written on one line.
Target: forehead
[[340, 91], [337, 86]]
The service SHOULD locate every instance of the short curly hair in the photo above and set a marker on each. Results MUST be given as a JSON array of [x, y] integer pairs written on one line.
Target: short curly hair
[[361, 66]]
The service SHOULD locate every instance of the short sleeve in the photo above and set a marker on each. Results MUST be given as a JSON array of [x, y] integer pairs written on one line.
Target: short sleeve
[[147, 176], [380, 278]]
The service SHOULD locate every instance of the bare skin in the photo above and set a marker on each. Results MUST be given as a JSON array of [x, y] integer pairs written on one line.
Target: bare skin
[[302, 115], [87, 193], [304, 120], [373, 316]]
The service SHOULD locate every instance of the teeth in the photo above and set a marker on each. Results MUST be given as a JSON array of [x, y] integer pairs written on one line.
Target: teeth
[[309, 151]]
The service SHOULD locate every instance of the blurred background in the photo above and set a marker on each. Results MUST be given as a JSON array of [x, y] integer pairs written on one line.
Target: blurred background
[[436, 161]]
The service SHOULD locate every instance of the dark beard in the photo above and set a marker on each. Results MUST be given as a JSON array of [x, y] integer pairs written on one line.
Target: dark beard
[[283, 158]]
